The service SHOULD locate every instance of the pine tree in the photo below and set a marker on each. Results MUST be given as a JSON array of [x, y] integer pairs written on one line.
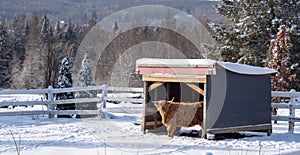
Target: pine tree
[[86, 79], [254, 23], [65, 81], [93, 20], [57, 47], [5, 57], [18, 43], [34, 60]]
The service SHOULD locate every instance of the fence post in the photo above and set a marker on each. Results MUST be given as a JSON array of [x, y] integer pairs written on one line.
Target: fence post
[[50, 99], [292, 111], [104, 95]]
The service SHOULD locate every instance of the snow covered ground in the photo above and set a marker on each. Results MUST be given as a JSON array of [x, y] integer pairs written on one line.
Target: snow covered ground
[[120, 134]]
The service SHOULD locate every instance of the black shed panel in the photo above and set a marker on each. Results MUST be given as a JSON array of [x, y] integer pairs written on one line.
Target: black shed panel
[[242, 101]]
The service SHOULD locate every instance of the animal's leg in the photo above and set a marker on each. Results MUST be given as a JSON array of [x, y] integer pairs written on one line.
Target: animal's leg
[[202, 131], [169, 129], [173, 128]]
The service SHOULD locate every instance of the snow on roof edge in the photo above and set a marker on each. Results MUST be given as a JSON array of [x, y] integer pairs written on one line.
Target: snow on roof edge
[[245, 69]]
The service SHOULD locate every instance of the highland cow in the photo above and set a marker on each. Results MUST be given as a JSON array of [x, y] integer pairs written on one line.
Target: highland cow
[[180, 114]]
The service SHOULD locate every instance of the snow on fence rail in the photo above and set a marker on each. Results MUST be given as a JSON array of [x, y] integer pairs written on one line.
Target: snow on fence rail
[[51, 102], [292, 105]]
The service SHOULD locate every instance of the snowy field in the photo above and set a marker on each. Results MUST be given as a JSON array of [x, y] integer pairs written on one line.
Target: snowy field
[[120, 133]]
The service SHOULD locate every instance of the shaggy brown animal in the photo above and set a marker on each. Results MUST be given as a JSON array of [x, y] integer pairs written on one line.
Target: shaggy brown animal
[[180, 114]]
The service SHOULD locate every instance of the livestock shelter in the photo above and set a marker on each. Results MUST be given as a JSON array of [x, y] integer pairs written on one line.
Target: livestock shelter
[[236, 97]]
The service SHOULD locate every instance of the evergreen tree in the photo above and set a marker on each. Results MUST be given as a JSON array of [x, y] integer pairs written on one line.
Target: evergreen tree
[[115, 27], [18, 43], [47, 41], [65, 81], [86, 79], [93, 20], [5, 57], [254, 23], [34, 70], [57, 48]]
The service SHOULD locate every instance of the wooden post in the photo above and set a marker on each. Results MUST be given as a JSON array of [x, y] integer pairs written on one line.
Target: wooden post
[[51, 99], [104, 95], [292, 111], [145, 91], [204, 113]]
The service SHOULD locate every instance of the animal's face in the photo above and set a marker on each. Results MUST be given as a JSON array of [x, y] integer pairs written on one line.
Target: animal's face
[[160, 105]]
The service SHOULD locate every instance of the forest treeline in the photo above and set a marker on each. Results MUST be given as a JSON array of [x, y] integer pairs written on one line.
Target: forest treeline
[[31, 49], [80, 10], [36, 35]]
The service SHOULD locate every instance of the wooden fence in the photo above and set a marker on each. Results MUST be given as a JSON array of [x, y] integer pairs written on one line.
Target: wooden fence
[[50, 102], [291, 103]]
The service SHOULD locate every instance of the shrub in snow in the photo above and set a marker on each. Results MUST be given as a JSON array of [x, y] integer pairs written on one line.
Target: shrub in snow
[[86, 79], [280, 61], [65, 81]]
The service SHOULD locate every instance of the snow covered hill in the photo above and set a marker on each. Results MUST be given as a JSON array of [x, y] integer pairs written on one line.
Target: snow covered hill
[[120, 134]]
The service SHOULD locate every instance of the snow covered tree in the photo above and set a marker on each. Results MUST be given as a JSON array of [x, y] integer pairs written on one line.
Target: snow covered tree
[[57, 50], [253, 24], [86, 79], [281, 61], [34, 59], [65, 81], [5, 57], [18, 43], [93, 20]]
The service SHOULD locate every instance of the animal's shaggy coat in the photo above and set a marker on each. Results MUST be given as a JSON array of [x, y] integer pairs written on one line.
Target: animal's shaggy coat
[[180, 114]]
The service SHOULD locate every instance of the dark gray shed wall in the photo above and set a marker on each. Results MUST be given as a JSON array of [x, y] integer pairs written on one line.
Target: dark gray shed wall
[[237, 100]]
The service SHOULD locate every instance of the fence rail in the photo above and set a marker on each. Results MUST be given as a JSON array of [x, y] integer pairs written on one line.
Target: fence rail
[[292, 105], [50, 102]]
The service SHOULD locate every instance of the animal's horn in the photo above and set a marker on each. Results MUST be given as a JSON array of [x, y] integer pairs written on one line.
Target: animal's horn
[[172, 99]]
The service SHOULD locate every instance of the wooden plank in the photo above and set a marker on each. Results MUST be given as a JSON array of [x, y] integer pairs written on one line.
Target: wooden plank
[[154, 85], [183, 63], [104, 94], [285, 118], [285, 105], [145, 101], [266, 127], [176, 70], [30, 91], [280, 105], [125, 99], [26, 103], [51, 99], [285, 94], [54, 112], [75, 112], [21, 113], [125, 89], [76, 89], [204, 110], [174, 79], [196, 88], [78, 100]]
